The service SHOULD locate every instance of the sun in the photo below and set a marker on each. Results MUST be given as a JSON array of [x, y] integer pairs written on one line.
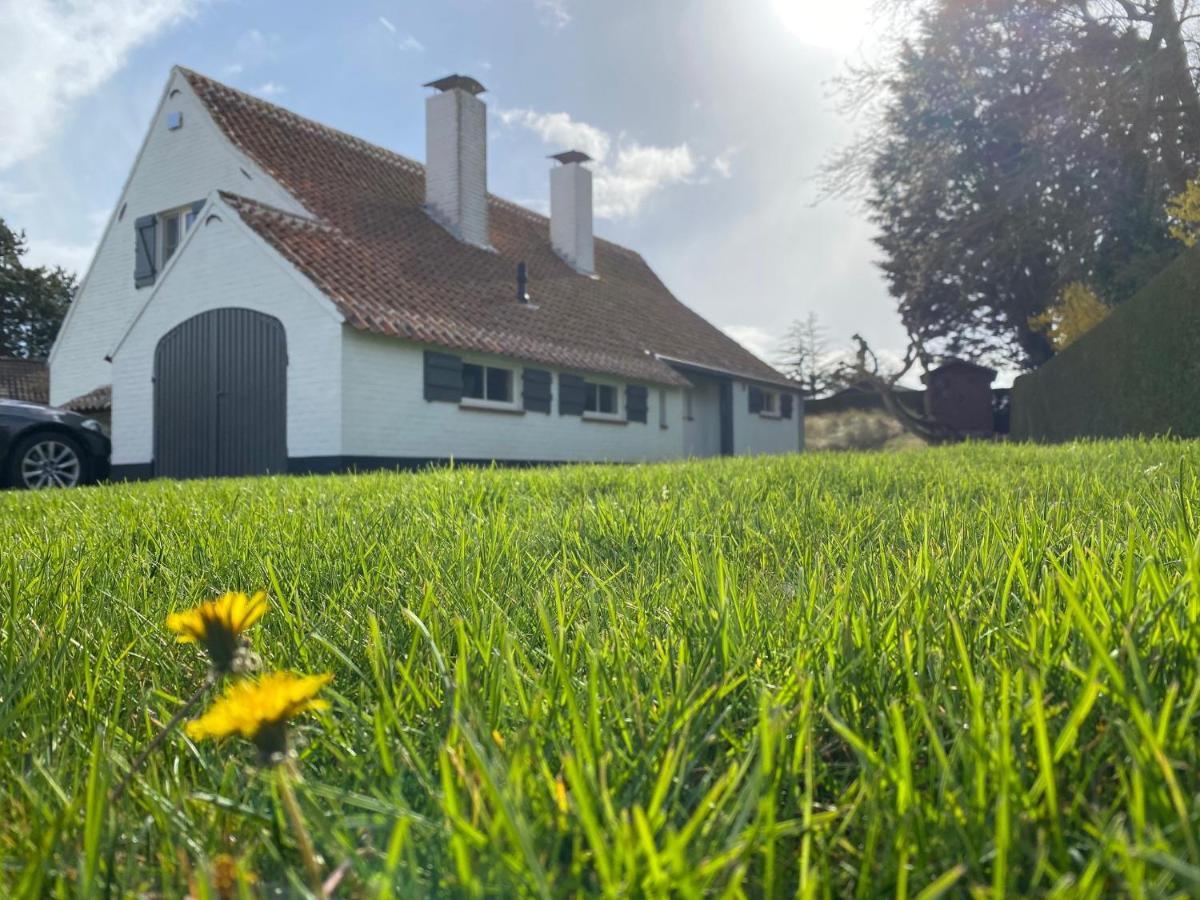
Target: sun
[[836, 26]]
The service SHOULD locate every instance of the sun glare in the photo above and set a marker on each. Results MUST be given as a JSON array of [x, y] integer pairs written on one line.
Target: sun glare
[[837, 26]]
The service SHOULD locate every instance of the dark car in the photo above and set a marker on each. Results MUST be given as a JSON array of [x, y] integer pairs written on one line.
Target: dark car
[[44, 447]]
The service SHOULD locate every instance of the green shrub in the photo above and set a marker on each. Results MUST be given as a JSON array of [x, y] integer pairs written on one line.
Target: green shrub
[[1135, 373]]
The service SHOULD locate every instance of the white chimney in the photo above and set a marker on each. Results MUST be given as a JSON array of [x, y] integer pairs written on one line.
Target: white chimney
[[456, 158], [571, 211]]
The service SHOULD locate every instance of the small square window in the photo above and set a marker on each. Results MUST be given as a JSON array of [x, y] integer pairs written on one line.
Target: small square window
[[499, 385], [599, 398], [472, 381], [174, 121], [491, 383]]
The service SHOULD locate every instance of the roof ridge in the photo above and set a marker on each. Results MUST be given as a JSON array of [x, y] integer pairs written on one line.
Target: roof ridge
[[367, 147]]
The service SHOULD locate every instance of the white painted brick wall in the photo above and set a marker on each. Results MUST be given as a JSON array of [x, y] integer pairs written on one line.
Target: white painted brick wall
[[571, 215], [755, 434], [456, 163], [385, 414], [174, 168], [224, 265]]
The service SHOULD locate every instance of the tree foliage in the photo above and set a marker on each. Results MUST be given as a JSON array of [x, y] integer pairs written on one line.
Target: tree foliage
[[1183, 212], [1021, 146], [33, 301], [1077, 311]]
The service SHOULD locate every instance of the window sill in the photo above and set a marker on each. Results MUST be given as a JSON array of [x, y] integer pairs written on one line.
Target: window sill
[[774, 417], [604, 418], [490, 406]]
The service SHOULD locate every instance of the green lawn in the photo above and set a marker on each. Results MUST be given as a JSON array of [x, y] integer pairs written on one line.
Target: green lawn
[[972, 669]]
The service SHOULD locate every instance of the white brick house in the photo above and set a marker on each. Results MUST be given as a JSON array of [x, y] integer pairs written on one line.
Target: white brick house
[[274, 295]]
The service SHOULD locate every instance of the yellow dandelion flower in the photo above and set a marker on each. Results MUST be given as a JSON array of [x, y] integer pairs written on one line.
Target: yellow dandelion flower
[[560, 795], [259, 709], [217, 625]]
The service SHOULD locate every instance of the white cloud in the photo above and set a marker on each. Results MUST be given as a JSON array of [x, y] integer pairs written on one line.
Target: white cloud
[[560, 129], [54, 54], [757, 340], [554, 12], [408, 42], [72, 257], [624, 179], [271, 89], [638, 172], [722, 163]]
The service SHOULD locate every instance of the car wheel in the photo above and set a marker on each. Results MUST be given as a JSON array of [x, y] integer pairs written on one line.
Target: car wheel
[[47, 460]]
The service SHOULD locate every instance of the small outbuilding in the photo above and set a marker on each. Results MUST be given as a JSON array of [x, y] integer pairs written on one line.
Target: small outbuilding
[[958, 394]]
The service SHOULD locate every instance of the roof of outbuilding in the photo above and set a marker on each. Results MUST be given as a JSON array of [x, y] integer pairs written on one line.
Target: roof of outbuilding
[[390, 269], [96, 400], [24, 379]]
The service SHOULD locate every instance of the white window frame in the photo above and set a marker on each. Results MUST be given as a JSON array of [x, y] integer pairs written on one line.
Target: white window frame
[[185, 218], [771, 406], [618, 414], [509, 405]]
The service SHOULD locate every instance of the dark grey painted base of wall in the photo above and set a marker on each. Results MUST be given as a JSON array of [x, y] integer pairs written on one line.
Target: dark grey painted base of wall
[[329, 465]]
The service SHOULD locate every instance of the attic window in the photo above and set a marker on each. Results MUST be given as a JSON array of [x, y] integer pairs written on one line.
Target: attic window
[[174, 121], [175, 224]]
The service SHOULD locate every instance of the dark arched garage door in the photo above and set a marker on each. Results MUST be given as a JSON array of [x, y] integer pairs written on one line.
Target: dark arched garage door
[[220, 396]]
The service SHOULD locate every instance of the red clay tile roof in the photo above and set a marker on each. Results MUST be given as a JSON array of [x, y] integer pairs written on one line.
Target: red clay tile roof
[[391, 270], [96, 400], [24, 379]]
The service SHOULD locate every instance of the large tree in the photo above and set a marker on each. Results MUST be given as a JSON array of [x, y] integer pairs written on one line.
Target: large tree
[[1022, 146], [33, 301]]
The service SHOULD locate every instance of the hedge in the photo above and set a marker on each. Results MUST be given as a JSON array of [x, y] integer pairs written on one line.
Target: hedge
[[1136, 373]]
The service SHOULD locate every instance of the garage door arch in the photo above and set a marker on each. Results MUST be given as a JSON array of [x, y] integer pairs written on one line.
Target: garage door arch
[[220, 396]]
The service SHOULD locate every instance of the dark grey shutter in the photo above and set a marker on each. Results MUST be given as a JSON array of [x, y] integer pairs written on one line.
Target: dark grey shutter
[[443, 377], [785, 405], [636, 403], [535, 390], [756, 400], [145, 265], [571, 394]]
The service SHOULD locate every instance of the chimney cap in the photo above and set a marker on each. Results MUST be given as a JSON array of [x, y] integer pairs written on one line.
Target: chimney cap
[[571, 156], [461, 82]]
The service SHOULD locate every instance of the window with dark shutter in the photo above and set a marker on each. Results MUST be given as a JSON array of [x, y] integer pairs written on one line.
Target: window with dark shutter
[[571, 395], [785, 405], [443, 377], [145, 266], [636, 403], [535, 390], [756, 400]]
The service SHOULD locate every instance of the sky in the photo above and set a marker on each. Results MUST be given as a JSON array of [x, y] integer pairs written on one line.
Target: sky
[[708, 120]]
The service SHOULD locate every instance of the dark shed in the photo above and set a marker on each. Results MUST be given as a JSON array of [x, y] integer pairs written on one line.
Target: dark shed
[[958, 394]]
